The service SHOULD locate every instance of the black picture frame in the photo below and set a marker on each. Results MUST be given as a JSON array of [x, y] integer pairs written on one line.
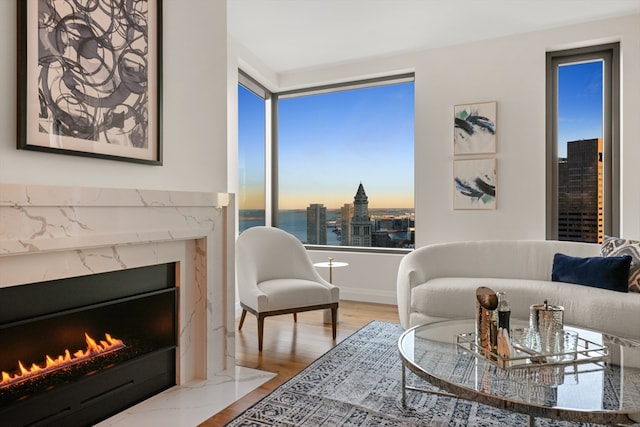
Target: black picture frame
[[90, 80]]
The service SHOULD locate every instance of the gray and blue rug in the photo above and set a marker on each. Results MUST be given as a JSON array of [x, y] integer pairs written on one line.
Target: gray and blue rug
[[359, 383]]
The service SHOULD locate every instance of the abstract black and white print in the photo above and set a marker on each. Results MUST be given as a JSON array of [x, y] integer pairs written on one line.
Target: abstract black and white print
[[475, 128], [93, 74], [474, 184]]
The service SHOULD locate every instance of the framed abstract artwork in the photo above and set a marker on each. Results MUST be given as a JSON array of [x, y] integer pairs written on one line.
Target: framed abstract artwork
[[474, 128], [474, 183], [89, 78]]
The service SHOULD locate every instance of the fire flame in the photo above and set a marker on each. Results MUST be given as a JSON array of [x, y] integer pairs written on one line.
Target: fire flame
[[93, 349]]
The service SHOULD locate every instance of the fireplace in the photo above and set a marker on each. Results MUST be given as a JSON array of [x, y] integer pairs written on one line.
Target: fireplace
[[49, 235], [136, 306]]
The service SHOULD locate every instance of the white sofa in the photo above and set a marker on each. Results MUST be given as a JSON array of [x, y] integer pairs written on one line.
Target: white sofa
[[439, 282]]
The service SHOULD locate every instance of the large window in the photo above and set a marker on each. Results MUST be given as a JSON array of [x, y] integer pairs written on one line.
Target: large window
[[583, 144], [252, 114], [343, 164]]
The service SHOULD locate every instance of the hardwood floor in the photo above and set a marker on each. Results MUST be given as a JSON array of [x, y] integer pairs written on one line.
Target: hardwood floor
[[290, 347]]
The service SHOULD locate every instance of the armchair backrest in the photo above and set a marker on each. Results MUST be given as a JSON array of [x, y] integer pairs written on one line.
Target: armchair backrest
[[265, 253]]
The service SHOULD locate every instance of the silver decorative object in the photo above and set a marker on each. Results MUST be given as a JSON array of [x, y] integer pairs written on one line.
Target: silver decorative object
[[546, 321]]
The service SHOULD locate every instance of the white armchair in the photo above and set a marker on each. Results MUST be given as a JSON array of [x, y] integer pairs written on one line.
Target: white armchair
[[276, 276]]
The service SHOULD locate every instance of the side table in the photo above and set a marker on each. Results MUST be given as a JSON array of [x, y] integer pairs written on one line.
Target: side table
[[326, 316], [330, 264]]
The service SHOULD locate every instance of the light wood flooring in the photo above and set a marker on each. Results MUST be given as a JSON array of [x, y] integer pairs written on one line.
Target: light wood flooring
[[290, 347]]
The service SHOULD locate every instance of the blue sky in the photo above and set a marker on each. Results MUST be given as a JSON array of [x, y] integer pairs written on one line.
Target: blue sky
[[579, 103], [251, 125], [330, 143]]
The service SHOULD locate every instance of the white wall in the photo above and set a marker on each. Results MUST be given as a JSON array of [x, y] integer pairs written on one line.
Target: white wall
[[369, 277], [194, 118], [510, 71]]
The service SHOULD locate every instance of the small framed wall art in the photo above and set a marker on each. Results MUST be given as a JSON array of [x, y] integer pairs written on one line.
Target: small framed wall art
[[474, 128], [89, 78], [474, 184]]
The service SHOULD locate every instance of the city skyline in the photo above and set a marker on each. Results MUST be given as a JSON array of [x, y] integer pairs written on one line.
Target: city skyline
[[580, 192]]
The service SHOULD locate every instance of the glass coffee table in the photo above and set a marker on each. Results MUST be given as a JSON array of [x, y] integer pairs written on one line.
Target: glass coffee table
[[600, 392]]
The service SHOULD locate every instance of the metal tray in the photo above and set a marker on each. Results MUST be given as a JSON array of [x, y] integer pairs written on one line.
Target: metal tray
[[587, 352]]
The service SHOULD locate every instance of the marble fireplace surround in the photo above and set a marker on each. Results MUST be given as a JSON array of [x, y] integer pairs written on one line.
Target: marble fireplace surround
[[49, 232]]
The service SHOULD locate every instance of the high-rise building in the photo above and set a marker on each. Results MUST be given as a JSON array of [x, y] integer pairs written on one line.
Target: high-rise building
[[346, 212], [317, 224], [360, 222], [580, 192]]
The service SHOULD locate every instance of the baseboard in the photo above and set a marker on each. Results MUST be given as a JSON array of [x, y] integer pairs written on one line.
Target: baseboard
[[368, 295]]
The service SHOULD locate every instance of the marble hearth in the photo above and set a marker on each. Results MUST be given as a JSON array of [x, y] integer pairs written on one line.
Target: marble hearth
[[49, 232]]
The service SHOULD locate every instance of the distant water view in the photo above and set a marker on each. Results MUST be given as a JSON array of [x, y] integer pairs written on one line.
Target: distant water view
[[295, 221]]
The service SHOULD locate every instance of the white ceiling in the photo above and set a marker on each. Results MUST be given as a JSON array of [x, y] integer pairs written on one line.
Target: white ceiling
[[288, 35]]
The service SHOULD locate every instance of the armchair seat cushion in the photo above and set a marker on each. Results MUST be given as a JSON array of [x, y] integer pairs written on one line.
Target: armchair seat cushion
[[282, 294]]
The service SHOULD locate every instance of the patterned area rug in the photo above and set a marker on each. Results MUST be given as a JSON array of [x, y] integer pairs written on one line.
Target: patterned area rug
[[359, 383]]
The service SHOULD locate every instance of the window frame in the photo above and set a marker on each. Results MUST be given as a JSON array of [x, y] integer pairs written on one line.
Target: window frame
[[610, 55], [271, 149], [249, 83]]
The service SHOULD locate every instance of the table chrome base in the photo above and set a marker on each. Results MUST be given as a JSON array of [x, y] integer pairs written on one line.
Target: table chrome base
[[531, 421]]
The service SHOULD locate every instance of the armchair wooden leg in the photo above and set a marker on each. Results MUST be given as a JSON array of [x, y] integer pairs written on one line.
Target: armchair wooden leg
[[334, 320], [244, 314], [295, 317], [260, 330]]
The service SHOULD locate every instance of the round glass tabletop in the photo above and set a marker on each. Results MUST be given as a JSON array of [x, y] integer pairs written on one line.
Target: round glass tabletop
[[602, 392], [331, 264]]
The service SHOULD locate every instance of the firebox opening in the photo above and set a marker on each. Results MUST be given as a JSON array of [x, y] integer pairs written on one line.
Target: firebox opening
[[138, 306], [96, 348]]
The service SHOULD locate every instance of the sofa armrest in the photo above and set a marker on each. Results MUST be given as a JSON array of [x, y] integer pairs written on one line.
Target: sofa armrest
[[403, 289], [415, 268]]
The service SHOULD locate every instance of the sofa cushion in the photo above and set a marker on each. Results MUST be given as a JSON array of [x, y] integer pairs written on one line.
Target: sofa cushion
[[454, 298], [615, 246], [601, 272]]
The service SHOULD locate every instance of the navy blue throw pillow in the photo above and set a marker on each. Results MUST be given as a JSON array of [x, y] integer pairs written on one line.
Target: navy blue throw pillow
[[601, 272]]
